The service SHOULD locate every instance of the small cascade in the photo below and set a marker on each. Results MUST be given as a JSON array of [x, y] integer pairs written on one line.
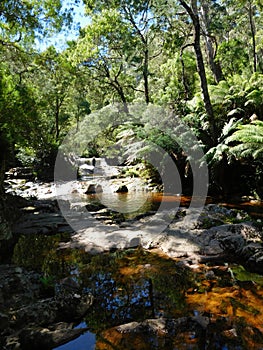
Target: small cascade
[[95, 167]]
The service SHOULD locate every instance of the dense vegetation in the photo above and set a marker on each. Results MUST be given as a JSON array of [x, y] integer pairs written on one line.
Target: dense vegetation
[[201, 59]]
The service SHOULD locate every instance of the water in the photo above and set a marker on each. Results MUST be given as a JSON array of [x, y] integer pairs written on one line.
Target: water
[[210, 307], [86, 341], [130, 204], [222, 305]]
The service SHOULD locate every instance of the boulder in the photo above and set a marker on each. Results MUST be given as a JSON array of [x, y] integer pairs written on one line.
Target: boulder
[[122, 189], [91, 189], [47, 339]]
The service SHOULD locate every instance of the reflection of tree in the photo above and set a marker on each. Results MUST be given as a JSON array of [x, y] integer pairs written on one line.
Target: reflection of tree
[[133, 285], [40, 252], [127, 285]]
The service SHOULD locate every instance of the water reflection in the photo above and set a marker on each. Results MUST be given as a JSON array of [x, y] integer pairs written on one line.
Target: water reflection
[[127, 203], [212, 307], [86, 341]]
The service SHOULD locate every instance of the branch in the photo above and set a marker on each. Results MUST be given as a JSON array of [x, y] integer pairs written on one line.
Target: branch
[[156, 55], [133, 88], [131, 19], [188, 9]]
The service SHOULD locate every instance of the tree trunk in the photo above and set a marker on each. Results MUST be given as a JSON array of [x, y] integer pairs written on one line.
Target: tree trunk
[[253, 33], [215, 67], [3, 159], [2, 177], [57, 118], [144, 41], [119, 89], [146, 75], [124, 102], [193, 13]]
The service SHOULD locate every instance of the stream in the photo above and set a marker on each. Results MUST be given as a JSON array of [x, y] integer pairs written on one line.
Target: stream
[[142, 298], [208, 307]]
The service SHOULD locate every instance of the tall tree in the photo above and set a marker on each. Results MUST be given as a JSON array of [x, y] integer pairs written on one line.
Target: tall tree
[[246, 20], [140, 18], [194, 15], [20, 23], [208, 22], [103, 49]]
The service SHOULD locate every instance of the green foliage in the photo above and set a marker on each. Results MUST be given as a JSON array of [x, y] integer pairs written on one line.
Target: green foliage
[[131, 51], [247, 141], [243, 275], [170, 89], [23, 20], [32, 251], [233, 56], [222, 149]]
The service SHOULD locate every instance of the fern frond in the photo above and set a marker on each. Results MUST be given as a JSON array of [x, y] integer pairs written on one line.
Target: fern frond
[[258, 153], [249, 138]]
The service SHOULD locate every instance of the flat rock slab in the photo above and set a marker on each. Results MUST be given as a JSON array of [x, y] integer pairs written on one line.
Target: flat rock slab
[[183, 238]]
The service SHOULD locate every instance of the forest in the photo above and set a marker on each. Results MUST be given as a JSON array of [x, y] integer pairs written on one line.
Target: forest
[[157, 98], [202, 61]]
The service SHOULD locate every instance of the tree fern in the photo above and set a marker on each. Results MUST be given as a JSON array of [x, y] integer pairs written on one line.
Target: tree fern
[[215, 154], [247, 140]]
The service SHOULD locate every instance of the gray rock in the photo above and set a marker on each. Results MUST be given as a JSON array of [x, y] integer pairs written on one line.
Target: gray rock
[[4, 321], [232, 244], [251, 249], [45, 339], [255, 262]]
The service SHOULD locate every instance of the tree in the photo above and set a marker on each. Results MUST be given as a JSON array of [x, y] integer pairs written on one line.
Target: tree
[[20, 23], [245, 18], [54, 77], [193, 13], [143, 26], [209, 21], [104, 52]]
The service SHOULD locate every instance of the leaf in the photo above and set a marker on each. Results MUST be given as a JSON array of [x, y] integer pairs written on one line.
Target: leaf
[[235, 111]]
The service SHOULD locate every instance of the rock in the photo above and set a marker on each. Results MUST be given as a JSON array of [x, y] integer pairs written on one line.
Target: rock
[[232, 244], [45, 339], [85, 169], [91, 189], [4, 321], [95, 206], [230, 238], [255, 262], [99, 189], [5, 230], [65, 306], [122, 189], [251, 249], [166, 326], [20, 173], [22, 304]]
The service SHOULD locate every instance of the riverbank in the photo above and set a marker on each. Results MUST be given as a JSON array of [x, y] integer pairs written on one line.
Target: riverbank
[[59, 276], [98, 223]]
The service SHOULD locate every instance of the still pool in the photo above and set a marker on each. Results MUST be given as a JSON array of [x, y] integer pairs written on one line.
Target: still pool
[[209, 307]]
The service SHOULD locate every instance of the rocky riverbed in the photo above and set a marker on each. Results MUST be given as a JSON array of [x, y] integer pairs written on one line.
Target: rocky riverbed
[[214, 232], [40, 313]]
